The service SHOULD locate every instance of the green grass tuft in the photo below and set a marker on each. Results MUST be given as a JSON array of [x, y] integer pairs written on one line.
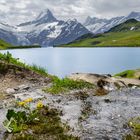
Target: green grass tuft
[[127, 74], [39, 69], [66, 84]]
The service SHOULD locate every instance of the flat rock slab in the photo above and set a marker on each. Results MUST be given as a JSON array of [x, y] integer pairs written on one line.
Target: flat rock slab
[[94, 78]]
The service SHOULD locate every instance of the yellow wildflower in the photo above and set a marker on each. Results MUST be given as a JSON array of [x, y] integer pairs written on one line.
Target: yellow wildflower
[[40, 104], [28, 100], [131, 123], [21, 103]]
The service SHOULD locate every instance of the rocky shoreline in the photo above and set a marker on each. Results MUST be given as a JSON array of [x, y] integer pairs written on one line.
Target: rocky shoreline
[[108, 81], [92, 114]]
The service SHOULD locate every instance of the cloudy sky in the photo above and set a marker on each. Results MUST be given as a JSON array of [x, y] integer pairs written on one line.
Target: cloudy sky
[[16, 11]]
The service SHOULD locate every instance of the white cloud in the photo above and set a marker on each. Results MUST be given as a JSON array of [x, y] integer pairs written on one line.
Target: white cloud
[[16, 11]]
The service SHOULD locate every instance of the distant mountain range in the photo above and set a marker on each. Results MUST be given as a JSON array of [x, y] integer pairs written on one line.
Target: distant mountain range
[[126, 34], [46, 30], [129, 25], [96, 25]]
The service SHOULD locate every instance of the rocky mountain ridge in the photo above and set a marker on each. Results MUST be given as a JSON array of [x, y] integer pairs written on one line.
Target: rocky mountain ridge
[[97, 25]]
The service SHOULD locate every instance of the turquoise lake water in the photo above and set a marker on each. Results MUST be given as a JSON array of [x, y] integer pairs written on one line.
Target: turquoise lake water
[[64, 61]]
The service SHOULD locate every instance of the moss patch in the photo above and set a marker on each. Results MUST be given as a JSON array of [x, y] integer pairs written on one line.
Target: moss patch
[[48, 127], [127, 74]]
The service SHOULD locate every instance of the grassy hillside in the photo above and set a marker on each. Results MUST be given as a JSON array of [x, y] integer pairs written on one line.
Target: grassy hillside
[[124, 35], [4, 45], [121, 39]]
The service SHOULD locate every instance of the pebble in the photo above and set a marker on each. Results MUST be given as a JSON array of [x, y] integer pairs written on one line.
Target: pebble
[[10, 91]]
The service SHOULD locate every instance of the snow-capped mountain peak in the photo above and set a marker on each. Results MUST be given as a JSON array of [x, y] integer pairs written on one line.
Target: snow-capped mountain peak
[[134, 15], [45, 16], [88, 20], [46, 30]]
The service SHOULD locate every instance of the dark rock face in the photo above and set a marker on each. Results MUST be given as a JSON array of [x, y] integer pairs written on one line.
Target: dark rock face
[[40, 39], [71, 31], [8, 36]]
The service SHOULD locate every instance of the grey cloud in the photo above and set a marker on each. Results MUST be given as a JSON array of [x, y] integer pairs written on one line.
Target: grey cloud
[[24, 10]]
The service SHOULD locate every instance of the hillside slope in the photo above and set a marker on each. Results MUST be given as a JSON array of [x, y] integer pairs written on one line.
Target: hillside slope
[[4, 45], [126, 34]]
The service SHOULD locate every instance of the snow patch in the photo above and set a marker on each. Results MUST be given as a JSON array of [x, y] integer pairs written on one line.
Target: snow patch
[[132, 28]]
